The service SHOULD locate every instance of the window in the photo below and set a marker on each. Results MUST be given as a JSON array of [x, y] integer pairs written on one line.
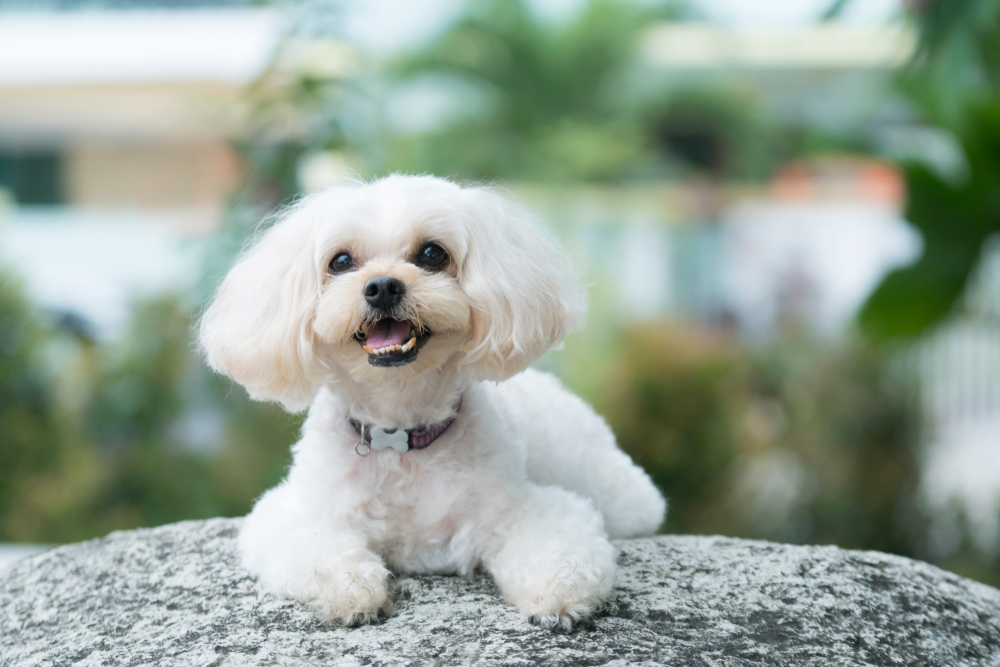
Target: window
[[32, 177]]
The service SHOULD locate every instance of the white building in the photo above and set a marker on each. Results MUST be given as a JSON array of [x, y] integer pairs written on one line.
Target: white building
[[115, 142]]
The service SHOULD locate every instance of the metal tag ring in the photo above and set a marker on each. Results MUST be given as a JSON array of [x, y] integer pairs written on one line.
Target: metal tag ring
[[357, 448]]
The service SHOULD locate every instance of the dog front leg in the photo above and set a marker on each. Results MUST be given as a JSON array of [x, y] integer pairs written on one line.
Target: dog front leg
[[324, 563], [555, 564]]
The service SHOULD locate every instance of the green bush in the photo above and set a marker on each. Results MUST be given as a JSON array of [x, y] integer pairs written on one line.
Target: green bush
[[123, 457], [30, 433], [795, 443]]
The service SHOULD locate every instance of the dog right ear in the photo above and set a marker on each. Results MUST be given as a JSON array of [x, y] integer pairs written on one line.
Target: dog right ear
[[258, 327]]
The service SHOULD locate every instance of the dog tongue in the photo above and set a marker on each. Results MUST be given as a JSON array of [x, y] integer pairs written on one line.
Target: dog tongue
[[388, 332]]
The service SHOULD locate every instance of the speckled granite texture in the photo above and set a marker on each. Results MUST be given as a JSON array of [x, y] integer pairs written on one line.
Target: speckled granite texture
[[177, 595]]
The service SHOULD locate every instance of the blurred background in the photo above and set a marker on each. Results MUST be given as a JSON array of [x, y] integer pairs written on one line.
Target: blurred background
[[785, 210]]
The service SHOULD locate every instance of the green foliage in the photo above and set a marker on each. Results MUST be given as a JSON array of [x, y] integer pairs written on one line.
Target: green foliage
[[676, 416], [966, 558], [795, 444], [958, 60], [715, 130], [136, 395], [553, 93], [547, 101], [125, 458], [955, 219], [29, 429], [954, 81], [287, 121]]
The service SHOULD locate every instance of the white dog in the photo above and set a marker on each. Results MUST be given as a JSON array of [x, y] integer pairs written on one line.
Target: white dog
[[406, 311]]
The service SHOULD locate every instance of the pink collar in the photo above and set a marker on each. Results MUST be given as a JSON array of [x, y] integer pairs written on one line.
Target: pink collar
[[420, 437]]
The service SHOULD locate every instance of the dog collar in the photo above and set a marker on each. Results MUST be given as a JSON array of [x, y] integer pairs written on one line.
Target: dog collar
[[404, 440]]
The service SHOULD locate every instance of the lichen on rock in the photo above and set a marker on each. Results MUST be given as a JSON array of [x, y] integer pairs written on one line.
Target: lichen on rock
[[177, 595]]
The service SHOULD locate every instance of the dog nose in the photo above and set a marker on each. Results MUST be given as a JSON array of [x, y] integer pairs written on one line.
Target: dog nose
[[384, 292]]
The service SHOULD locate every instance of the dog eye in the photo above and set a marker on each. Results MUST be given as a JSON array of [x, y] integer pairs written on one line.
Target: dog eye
[[432, 256], [341, 263]]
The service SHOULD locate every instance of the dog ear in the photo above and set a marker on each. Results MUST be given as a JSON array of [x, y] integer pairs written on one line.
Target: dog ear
[[258, 326], [525, 297]]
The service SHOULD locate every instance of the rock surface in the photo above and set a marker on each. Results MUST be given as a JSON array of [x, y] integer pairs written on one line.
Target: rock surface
[[177, 595]]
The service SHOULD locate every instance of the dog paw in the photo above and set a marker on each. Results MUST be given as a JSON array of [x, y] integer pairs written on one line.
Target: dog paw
[[555, 622], [563, 598], [352, 599], [368, 619]]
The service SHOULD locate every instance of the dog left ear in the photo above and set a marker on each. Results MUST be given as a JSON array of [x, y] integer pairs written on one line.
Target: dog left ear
[[258, 327], [525, 297]]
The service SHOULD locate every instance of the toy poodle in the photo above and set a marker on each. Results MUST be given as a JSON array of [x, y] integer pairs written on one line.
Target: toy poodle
[[404, 314]]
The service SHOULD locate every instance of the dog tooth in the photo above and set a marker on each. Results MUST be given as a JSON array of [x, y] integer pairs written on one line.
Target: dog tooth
[[388, 349]]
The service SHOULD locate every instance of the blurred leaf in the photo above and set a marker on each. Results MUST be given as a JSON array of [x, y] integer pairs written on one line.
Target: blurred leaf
[[954, 82], [958, 57], [955, 220], [834, 10]]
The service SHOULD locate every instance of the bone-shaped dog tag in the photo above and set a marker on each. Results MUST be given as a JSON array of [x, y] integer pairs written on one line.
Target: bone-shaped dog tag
[[391, 438]]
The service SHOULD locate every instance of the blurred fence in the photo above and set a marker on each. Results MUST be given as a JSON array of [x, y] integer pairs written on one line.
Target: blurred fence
[[959, 370]]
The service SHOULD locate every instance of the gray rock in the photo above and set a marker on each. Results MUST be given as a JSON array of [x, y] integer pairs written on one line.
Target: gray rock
[[177, 595]]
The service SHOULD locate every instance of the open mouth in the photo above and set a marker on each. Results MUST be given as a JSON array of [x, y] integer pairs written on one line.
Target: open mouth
[[390, 342]]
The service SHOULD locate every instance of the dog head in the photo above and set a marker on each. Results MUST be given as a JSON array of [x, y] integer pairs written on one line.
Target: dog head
[[387, 280]]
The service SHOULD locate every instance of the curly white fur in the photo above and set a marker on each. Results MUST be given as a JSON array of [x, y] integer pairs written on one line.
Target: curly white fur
[[528, 482]]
